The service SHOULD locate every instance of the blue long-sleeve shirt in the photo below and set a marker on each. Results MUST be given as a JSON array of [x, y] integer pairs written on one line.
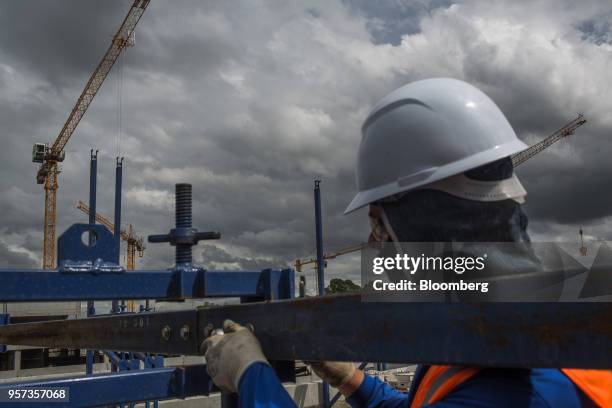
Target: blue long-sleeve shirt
[[260, 388], [491, 388]]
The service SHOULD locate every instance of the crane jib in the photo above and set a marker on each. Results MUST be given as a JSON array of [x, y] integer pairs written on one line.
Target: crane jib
[[536, 148]]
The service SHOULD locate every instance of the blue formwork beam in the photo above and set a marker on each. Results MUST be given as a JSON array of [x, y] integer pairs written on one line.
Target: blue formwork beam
[[124, 387], [47, 285]]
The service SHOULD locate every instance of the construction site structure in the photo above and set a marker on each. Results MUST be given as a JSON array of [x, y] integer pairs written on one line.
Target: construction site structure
[[299, 263], [287, 327], [135, 244], [51, 156], [532, 150]]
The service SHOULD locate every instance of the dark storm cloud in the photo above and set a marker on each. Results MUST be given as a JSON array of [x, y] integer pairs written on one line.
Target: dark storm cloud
[[59, 40], [252, 101], [597, 29]]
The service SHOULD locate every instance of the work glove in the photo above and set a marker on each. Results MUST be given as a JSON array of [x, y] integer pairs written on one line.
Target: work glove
[[336, 373], [228, 355]]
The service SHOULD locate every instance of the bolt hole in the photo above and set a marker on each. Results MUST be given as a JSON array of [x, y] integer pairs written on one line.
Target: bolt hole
[[89, 238]]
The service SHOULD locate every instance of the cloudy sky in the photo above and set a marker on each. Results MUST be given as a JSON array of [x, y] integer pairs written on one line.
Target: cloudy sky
[[250, 101]]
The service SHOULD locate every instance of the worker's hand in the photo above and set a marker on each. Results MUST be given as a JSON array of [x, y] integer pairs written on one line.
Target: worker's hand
[[229, 355], [336, 373]]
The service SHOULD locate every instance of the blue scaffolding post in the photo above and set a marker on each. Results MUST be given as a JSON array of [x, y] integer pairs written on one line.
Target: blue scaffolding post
[[93, 175], [320, 264], [117, 215]]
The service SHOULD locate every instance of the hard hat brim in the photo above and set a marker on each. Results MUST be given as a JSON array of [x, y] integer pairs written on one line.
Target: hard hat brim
[[434, 174], [464, 187]]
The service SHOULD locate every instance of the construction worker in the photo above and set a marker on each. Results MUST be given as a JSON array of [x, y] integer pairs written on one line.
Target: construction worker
[[433, 166]]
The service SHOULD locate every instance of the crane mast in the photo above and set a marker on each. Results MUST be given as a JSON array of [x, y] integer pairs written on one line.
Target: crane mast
[[49, 157]]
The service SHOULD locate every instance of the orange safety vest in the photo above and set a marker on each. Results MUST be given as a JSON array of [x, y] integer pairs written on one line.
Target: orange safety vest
[[440, 380], [596, 384]]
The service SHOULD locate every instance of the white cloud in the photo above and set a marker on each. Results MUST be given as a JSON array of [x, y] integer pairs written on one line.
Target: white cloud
[[157, 199]]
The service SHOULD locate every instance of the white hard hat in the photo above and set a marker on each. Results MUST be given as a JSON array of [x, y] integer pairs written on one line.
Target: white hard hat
[[428, 131]]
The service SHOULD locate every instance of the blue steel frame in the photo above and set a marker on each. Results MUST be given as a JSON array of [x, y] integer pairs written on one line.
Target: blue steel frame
[[96, 283], [91, 272], [152, 384]]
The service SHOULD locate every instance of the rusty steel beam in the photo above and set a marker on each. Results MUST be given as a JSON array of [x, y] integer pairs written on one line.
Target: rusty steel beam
[[344, 328]]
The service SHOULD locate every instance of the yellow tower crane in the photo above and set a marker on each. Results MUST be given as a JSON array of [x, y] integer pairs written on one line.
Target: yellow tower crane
[[331, 255], [134, 243], [50, 156]]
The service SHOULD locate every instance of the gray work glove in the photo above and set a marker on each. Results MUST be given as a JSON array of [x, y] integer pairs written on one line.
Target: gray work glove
[[336, 373], [228, 355]]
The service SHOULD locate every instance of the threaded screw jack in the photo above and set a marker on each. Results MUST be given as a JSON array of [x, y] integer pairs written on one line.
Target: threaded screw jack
[[183, 236], [183, 219]]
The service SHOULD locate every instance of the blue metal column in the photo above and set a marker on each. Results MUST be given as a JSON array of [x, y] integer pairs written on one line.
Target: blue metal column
[[118, 187], [320, 264], [93, 174], [319, 238], [117, 221], [120, 362]]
